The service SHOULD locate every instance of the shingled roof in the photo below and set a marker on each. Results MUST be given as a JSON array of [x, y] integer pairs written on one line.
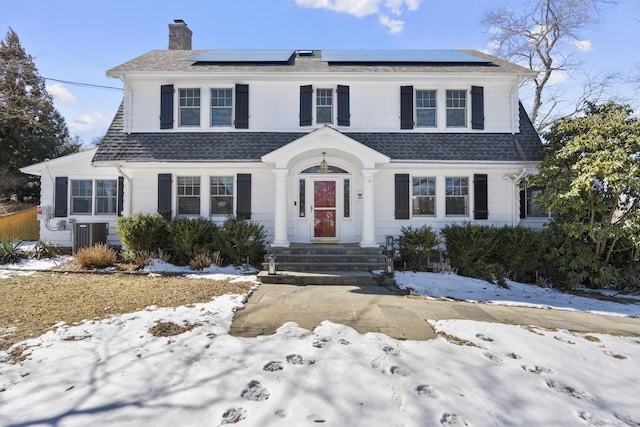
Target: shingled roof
[[181, 61], [118, 146]]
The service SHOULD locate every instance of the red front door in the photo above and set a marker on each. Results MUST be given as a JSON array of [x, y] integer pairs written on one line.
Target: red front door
[[324, 209]]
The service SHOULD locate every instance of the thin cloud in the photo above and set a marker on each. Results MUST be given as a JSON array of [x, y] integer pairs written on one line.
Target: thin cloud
[[360, 8], [582, 45], [93, 122], [61, 94]]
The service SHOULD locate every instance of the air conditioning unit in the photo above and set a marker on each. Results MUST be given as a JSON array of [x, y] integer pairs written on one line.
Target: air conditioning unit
[[87, 234]]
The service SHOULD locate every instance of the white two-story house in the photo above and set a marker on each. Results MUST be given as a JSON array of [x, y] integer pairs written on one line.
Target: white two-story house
[[316, 145]]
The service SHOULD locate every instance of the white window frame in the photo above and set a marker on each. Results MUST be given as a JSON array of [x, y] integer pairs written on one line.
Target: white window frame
[[112, 199], [424, 189], [433, 108], [213, 195], [457, 191], [87, 197], [330, 106], [188, 107], [191, 188], [453, 104], [212, 108]]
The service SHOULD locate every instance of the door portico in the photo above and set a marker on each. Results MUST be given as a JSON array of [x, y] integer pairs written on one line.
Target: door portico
[[334, 204]]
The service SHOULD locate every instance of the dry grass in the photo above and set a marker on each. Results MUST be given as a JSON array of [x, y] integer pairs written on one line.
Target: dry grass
[[31, 305]]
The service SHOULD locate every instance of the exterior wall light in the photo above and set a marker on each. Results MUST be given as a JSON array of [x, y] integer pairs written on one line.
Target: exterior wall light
[[324, 166]]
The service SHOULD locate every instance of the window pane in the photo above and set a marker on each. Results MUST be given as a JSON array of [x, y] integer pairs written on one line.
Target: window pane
[[189, 107], [221, 107], [324, 105], [424, 191], [457, 196], [221, 189], [106, 196], [188, 195], [426, 108], [534, 209], [347, 198], [302, 198], [456, 108], [81, 196]]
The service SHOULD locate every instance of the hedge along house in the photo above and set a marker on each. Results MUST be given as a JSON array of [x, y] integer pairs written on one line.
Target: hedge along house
[[333, 146]]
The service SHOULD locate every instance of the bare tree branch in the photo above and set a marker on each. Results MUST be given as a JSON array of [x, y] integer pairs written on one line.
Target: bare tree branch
[[539, 37]]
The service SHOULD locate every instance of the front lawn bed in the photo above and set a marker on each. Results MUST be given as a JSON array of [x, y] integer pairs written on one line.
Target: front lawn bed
[[31, 305]]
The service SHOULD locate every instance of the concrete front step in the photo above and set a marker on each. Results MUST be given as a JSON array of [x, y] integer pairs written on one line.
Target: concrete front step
[[326, 266], [302, 278]]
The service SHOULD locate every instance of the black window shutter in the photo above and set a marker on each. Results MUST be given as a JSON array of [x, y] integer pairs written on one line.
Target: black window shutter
[[242, 106], [402, 196], [166, 107], [523, 203], [306, 105], [477, 107], [344, 113], [480, 197], [61, 194], [164, 194], [243, 183], [120, 195], [406, 107]]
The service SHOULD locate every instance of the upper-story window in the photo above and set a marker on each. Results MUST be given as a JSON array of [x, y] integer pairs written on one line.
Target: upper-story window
[[425, 108], [189, 107], [324, 106], [456, 108], [221, 107]]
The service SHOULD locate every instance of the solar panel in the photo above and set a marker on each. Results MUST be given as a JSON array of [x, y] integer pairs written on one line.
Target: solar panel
[[402, 56], [244, 55]]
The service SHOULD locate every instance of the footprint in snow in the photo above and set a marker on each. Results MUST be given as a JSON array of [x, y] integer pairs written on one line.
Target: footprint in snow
[[273, 366], [255, 391], [568, 390], [537, 369], [343, 341], [233, 415], [594, 420], [428, 390], [453, 420], [296, 359], [280, 413], [492, 356], [483, 337], [321, 342], [399, 371], [615, 355], [564, 340], [390, 350]]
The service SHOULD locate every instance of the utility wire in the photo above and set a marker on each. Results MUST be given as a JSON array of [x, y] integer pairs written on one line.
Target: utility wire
[[84, 84]]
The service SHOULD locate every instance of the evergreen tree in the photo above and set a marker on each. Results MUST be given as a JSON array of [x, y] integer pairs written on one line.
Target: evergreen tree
[[591, 174], [31, 129]]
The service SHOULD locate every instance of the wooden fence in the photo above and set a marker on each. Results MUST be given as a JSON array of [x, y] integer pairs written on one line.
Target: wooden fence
[[21, 225]]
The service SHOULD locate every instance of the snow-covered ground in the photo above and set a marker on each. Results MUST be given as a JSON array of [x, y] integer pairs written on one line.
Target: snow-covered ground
[[114, 372]]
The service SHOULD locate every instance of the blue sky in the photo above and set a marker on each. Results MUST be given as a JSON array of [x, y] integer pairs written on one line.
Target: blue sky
[[78, 41]]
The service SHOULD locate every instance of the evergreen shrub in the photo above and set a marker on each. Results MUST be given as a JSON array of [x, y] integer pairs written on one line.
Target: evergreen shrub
[[417, 245]]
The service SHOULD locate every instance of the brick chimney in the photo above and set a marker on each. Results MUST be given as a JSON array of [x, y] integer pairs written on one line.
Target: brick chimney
[[179, 35]]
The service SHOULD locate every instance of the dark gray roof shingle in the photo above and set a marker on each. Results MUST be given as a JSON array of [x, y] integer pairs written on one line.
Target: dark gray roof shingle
[[118, 146]]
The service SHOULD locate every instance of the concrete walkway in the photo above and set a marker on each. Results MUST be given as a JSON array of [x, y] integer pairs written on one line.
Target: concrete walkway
[[374, 308]]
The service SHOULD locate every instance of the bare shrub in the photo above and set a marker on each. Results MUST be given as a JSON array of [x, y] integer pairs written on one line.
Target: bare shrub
[[98, 256]]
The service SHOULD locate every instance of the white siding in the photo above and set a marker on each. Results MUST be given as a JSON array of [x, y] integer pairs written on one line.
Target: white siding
[[274, 103]]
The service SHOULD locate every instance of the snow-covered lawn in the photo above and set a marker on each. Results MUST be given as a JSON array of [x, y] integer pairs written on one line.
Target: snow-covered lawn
[[114, 372]]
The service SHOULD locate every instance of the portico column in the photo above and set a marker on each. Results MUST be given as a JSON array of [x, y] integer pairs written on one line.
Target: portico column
[[368, 210], [280, 226]]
